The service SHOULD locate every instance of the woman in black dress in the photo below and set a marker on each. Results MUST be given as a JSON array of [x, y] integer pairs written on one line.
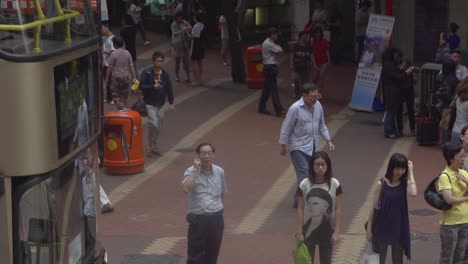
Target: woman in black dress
[[197, 52]]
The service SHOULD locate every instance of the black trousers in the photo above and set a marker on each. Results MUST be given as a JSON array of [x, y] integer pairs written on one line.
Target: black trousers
[[408, 97], [205, 235], [397, 254], [270, 72]]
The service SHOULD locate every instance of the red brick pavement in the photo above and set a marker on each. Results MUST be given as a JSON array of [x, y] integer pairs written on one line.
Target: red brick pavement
[[157, 208]]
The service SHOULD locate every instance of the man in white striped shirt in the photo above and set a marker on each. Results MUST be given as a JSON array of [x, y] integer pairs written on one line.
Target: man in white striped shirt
[[300, 131]]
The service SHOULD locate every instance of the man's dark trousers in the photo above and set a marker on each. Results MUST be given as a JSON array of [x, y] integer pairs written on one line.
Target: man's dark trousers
[[205, 235], [270, 72]]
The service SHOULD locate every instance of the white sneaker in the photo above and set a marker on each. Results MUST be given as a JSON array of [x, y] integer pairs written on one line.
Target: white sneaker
[[146, 43], [112, 102]]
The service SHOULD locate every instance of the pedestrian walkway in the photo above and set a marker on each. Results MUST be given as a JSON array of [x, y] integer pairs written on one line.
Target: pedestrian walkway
[[149, 217]]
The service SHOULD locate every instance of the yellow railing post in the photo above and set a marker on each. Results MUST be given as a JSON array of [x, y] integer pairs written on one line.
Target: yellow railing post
[[40, 14], [37, 39], [67, 31]]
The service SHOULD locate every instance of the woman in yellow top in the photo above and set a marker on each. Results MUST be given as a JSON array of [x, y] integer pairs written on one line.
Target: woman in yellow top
[[454, 223]]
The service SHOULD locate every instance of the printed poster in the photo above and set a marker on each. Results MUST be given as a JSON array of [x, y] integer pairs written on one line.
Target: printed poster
[[379, 31]]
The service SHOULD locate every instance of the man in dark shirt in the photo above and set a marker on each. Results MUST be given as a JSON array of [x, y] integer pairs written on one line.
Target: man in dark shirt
[[155, 84], [301, 63], [128, 33]]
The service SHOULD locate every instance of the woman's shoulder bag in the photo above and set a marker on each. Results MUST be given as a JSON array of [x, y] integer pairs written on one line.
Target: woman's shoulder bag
[[434, 198]]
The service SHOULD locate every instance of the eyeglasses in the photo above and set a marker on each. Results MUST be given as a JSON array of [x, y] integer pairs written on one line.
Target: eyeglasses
[[317, 165], [159, 61], [208, 153]]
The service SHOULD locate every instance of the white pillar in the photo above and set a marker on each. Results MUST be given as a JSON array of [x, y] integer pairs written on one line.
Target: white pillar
[[299, 16]]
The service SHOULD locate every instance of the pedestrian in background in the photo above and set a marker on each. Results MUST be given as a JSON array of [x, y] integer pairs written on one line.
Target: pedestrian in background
[[462, 71], [407, 96], [393, 78], [321, 49], [180, 44], [120, 68], [107, 49], [392, 221], [156, 86], [301, 63], [224, 39], [461, 108], [446, 84], [270, 52], [136, 11], [451, 38], [362, 19], [464, 139], [197, 53], [205, 184], [319, 16], [300, 132], [128, 32], [319, 208], [454, 223]]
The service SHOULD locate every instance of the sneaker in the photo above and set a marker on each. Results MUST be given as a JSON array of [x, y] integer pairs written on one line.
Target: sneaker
[[146, 43], [112, 102], [413, 133]]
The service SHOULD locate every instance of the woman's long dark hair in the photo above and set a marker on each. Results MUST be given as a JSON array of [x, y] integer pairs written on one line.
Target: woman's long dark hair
[[397, 161], [389, 54], [328, 174]]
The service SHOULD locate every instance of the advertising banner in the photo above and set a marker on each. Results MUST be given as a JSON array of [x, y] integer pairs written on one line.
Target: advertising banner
[[379, 31]]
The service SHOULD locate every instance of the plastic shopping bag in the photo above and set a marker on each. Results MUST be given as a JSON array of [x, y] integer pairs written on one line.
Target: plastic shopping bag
[[301, 254], [368, 256]]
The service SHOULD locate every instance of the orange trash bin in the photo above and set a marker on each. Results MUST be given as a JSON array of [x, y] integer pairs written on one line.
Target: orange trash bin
[[255, 78], [123, 143]]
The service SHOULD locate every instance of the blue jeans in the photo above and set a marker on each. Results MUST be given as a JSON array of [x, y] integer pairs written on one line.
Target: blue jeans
[[456, 137], [389, 123], [300, 161]]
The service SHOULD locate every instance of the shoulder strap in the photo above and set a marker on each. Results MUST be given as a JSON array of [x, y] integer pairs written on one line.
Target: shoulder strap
[[382, 181], [448, 176]]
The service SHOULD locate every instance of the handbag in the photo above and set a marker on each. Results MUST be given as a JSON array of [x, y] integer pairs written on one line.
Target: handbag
[[449, 115], [301, 253], [140, 107], [368, 256], [434, 198]]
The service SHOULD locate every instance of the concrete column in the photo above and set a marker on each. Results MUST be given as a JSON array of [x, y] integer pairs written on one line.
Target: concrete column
[[404, 28], [457, 14], [299, 16]]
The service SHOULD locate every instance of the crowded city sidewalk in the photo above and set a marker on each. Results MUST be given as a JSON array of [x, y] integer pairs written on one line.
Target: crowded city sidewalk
[[149, 218]]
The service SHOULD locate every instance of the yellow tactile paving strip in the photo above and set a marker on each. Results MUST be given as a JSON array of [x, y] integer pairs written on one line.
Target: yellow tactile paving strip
[[162, 245], [353, 239], [127, 187]]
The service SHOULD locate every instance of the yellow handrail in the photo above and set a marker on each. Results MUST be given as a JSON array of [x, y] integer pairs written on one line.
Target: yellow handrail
[[63, 15]]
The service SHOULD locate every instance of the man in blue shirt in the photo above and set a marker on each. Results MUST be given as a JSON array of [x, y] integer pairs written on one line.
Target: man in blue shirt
[[300, 131], [205, 185]]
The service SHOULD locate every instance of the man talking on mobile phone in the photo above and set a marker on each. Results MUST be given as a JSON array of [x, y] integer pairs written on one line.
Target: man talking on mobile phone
[[205, 185]]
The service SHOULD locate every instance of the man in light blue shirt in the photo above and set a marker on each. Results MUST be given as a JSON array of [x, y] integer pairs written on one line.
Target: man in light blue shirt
[[300, 131], [205, 185]]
